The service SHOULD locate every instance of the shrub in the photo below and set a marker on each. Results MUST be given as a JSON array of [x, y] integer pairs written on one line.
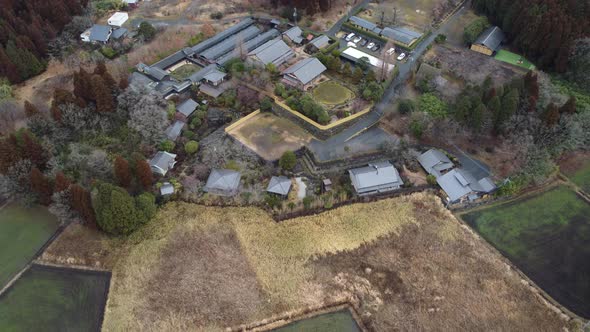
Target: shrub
[[147, 31], [191, 147], [216, 16], [406, 106], [109, 52], [265, 104], [474, 29], [196, 122], [307, 200], [417, 128], [273, 201], [280, 89], [431, 104], [441, 38], [188, 134], [431, 179], [288, 160], [167, 145]]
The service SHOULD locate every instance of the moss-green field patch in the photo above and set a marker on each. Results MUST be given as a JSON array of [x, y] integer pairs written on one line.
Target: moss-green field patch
[[54, 299], [23, 231], [184, 71], [547, 236], [514, 59], [581, 177], [332, 93]]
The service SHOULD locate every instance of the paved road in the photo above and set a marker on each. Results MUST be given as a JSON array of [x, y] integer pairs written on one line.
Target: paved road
[[334, 146]]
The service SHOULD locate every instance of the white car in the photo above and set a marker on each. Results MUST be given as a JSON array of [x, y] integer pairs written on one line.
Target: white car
[[390, 51], [351, 44], [401, 57], [371, 45], [357, 39], [349, 37]]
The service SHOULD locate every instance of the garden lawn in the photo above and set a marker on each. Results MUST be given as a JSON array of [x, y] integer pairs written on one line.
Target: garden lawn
[[184, 71], [546, 236], [513, 58], [332, 93], [54, 299], [23, 231]]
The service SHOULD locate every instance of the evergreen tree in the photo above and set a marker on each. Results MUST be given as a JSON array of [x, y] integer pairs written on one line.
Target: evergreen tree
[[122, 172], [41, 185], [551, 115], [476, 117], [9, 153], [357, 75], [144, 174], [81, 203], [569, 107], [103, 96], [34, 151], [83, 85], [61, 182]]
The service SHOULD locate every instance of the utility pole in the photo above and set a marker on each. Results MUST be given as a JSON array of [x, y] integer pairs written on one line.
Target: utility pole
[[295, 15], [382, 16], [394, 15]]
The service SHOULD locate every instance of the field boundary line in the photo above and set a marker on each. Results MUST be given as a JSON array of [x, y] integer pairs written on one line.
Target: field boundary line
[[240, 121], [69, 266]]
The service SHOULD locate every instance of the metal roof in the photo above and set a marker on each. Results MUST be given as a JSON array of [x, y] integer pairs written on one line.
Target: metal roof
[[198, 76], [174, 130], [230, 43], [166, 189], [100, 33], [187, 107], [321, 41], [214, 75], [306, 70], [354, 55], [155, 73], [170, 60], [361, 22], [379, 176], [459, 183], [274, 51], [279, 185], [435, 161], [202, 46], [119, 33], [249, 46], [162, 162], [491, 38], [294, 34], [223, 182], [402, 35]]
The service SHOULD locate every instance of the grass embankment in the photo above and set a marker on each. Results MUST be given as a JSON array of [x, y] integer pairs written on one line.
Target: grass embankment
[[332, 93], [514, 59], [23, 231], [547, 236], [51, 299], [406, 260]]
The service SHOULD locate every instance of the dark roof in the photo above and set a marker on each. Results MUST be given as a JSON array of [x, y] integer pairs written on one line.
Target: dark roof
[[491, 38], [459, 183], [249, 45], [275, 21], [223, 182], [306, 70], [294, 34], [279, 185], [361, 22], [119, 33], [170, 60], [187, 107], [100, 33], [321, 41], [230, 43], [174, 130], [376, 177], [435, 161], [274, 51], [162, 162], [199, 75], [402, 35], [156, 73], [202, 46]]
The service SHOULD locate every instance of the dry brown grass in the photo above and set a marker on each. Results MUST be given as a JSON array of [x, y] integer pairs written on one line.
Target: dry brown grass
[[407, 260]]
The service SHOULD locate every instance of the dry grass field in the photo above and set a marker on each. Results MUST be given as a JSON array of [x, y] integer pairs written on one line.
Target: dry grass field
[[407, 262]]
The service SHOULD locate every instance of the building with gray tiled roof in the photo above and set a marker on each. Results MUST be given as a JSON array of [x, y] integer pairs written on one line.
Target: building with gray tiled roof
[[375, 178], [304, 73], [274, 51]]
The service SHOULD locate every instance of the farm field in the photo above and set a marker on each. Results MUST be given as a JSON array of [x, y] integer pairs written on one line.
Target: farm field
[[270, 136], [54, 299], [23, 231], [546, 236], [332, 93], [514, 59], [340, 321], [407, 260]]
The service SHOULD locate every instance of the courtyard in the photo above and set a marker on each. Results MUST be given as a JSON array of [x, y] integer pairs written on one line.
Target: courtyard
[[332, 93]]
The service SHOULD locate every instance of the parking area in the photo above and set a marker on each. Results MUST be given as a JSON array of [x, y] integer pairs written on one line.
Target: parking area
[[373, 46]]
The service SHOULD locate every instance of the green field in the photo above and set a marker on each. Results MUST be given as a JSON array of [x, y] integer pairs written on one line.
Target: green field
[[514, 59], [23, 231], [332, 93], [546, 236], [54, 299], [340, 321], [581, 177], [184, 71]]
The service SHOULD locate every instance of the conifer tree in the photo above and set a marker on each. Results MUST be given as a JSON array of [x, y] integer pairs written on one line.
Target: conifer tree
[[144, 174], [61, 182], [81, 203], [122, 172], [41, 185]]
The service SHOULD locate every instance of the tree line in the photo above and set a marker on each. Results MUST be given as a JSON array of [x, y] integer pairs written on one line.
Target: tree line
[[26, 28], [544, 30]]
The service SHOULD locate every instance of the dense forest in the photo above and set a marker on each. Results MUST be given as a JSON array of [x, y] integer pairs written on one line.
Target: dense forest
[[26, 27], [544, 30], [310, 7]]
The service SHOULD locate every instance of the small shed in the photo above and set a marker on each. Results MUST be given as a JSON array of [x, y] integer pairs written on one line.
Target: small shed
[[118, 19], [280, 185], [187, 107], [489, 41], [166, 189], [162, 162], [326, 185], [223, 182]]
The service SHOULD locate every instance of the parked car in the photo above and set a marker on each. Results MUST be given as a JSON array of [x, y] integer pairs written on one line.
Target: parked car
[[371, 45], [376, 48], [357, 39], [390, 51], [351, 44], [349, 37], [401, 57], [364, 42]]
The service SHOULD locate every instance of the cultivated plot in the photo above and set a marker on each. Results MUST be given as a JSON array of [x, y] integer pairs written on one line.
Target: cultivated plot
[[23, 231], [55, 299], [547, 237]]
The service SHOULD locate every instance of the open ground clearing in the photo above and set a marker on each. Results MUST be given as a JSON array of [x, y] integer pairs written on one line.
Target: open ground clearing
[[546, 236], [23, 231], [54, 299], [270, 136], [514, 59], [414, 13], [407, 261], [332, 93]]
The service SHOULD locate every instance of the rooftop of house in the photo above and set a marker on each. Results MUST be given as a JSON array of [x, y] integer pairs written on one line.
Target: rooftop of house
[[321, 41], [223, 182], [215, 75], [362, 23], [435, 161], [375, 177], [279, 185], [306, 70], [174, 130], [403, 35], [166, 189], [355, 55], [294, 34], [491, 38], [187, 107], [100, 33], [163, 161], [458, 183], [118, 33], [274, 51]]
